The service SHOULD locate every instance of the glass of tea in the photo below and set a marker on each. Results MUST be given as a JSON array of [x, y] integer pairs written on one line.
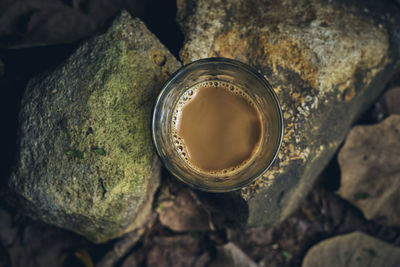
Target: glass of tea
[[217, 124]]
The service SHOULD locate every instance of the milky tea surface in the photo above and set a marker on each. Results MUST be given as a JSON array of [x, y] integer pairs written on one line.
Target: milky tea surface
[[216, 127]]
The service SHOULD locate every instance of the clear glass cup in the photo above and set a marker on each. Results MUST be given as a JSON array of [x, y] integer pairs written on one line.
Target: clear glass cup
[[256, 87]]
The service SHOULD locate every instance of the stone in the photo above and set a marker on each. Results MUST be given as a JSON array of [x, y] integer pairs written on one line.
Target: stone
[[391, 100], [86, 160], [39, 244], [184, 213], [45, 22], [388, 104], [131, 261], [324, 66], [182, 250], [230, 255], [354, 220], [370, 170], [354, 249], [8, 232], [388, 234], [260, 236]]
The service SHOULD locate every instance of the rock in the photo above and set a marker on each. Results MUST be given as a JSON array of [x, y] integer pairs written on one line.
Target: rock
[[224, 208], [123, 246], [354, 249], [388, 104], [336, 209], [391, 101], [260, 236], [25, 243], [324, 66], [353, 220], [38, 244], [183, 250], [185, 213], [388, 234], [285, 244], [131, 261], [8, 231], [44, 22], [86, 161], [370, 166], [270, 261], [230, 255]]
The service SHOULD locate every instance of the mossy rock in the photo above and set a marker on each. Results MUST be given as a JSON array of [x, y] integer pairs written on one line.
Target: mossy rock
[[86, 161]]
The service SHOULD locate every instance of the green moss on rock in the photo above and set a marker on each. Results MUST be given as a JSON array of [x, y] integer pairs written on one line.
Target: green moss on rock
[[100, 97]]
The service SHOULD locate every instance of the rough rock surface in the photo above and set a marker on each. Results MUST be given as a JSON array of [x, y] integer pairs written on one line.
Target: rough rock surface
[[230, 255], [86, 160], [182, 250], [43, 22], [354, 249], [370, 170], [184, 213], [322, 62], [389, 103]]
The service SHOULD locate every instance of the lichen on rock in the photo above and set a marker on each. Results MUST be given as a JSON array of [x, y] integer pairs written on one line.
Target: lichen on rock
[[86, 161], [326, 60]]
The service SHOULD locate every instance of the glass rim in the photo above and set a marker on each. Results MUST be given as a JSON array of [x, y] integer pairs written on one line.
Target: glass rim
[[166, 88]]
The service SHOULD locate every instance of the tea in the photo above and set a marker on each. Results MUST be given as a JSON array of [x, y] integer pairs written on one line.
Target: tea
[[216, 127]]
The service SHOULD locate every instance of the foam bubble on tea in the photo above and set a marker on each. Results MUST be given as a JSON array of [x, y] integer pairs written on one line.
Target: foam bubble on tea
[[216, 127]]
